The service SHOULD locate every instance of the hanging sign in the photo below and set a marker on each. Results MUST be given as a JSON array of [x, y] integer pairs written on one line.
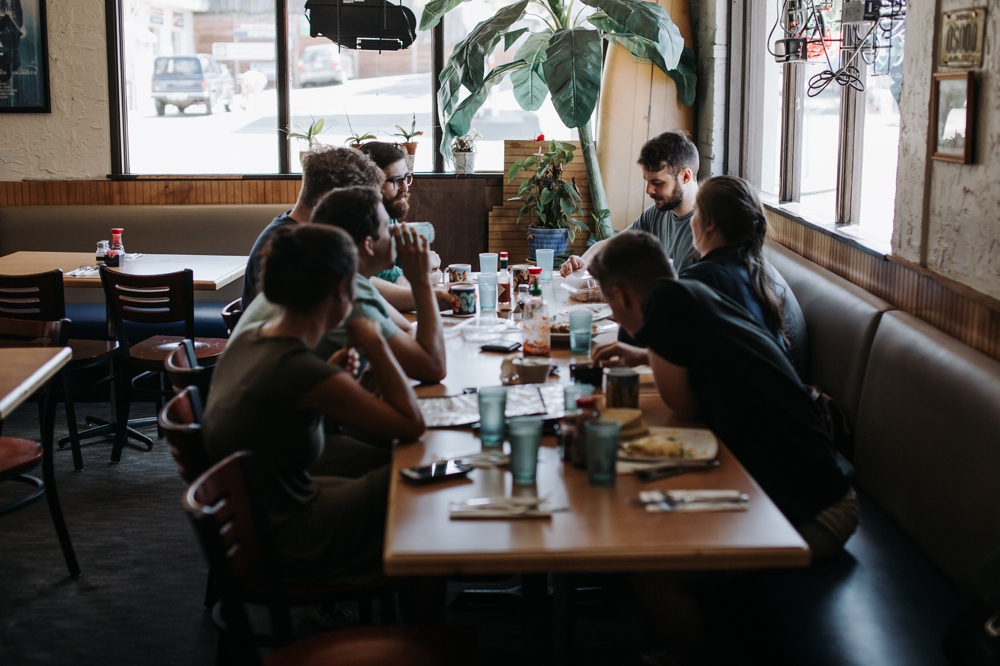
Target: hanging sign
[[962, 33]]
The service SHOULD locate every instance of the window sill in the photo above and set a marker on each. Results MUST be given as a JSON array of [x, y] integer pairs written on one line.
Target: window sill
[[852, 235], [282, 176]]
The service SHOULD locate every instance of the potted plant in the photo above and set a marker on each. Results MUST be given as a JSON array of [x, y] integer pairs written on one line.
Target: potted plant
[[549, 201], [308, 135], [355, 139], [409, 145], [560, 55], [463, 152]]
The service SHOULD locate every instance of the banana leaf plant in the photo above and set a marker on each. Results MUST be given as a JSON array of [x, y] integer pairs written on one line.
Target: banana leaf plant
[[563, 60]]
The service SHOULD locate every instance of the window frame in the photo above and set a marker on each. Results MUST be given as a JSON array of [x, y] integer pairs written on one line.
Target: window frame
[[115, 32], [748, 37]]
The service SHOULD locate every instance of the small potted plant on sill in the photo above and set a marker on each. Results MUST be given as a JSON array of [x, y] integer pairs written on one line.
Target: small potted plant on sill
[[549, 201], [463, 152], [409, 145], [308, 135], [355, 139]]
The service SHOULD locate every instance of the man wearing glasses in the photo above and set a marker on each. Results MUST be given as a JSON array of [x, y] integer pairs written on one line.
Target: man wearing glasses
[[391, 159]]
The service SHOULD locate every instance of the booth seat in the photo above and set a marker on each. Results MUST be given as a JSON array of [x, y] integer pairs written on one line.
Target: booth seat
[[221, 229], [925, 410]]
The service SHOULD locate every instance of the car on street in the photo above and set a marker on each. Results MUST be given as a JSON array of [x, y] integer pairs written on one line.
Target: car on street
[[323, 64], [185, 80]]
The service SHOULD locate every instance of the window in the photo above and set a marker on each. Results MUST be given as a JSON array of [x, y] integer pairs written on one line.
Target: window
[[831, 138], [200, 92]]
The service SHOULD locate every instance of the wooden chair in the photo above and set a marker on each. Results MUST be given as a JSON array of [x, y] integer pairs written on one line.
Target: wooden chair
[[231, 315], [181, 421], [236, 540], [40, 297], [20, 456], [150, 299], [183, 370]]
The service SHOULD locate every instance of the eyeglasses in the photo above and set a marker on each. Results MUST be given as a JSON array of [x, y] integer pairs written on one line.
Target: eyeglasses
[[405, 179]]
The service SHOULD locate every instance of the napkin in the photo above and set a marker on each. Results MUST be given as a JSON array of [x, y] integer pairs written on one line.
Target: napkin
[[658, 501], [502, 507]]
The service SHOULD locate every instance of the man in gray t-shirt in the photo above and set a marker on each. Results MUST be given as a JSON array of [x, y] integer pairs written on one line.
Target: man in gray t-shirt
[[669, 165]]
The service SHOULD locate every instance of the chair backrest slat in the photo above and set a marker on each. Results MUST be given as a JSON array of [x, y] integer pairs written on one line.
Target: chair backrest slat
[[37, 297], [180, 419], [231, 315], [149, 299], [32, 333], [183, 369]]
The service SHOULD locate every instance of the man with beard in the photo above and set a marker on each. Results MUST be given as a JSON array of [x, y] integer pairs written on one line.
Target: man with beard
[[395, 288], [670, 168]]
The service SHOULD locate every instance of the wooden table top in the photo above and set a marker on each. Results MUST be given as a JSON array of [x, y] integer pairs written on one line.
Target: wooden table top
[[24, 370], [211, 271], [600, 532]]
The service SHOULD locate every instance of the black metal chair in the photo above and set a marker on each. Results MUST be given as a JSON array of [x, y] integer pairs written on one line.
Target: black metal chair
[[149, 299], [40, 297], [18, 456]]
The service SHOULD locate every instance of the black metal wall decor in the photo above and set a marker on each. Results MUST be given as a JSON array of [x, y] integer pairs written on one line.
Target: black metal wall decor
[[369, 25], [24, 57]]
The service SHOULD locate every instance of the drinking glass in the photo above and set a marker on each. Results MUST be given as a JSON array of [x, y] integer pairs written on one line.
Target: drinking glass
[[602, 451], [581, 321], [574, 391], [488, 262], [487, 292], [544, 258], [492, 407], [525, 437]]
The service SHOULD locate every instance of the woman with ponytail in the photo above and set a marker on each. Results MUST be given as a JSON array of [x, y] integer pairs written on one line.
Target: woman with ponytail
[[728, 230]]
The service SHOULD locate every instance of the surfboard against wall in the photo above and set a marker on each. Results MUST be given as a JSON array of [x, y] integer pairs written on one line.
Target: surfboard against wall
[[638, 101]]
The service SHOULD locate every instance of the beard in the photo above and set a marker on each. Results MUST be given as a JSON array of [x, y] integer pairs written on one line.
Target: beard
[[671, 202], [398, 207]]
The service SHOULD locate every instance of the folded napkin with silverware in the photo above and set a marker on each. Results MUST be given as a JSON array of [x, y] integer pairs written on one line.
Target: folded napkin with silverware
[[483, 459], [656, 501], [503, 507]]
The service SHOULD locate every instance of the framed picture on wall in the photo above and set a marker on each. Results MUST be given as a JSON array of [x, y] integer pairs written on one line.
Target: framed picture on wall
[[24, 57], [953, 117]]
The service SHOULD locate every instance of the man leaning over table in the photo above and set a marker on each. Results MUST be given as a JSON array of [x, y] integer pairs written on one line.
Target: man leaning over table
[[713, 363], [359, 211], [324, 169], [669, 164]]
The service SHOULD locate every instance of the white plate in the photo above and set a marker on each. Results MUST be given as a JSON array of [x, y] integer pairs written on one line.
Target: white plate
[[699, 441], [600, 310]]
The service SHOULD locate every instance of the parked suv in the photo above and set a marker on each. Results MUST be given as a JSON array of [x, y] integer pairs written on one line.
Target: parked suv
[[183, 80]]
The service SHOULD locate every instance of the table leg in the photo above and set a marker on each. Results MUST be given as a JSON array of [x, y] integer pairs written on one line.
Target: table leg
[[563, 619]]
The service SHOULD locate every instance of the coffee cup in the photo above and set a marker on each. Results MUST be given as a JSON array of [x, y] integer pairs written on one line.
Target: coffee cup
[[531, 370], [466, 293], [460, 273]]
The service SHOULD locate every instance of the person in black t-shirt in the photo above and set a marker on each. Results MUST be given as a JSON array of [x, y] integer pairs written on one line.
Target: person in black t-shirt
[[714, 363]]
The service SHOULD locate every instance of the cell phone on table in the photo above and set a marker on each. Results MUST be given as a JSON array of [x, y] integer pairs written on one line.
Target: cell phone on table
[[502, 346], [441, 471]]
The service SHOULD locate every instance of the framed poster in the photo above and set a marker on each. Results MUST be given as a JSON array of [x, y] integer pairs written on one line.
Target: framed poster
[[953, 117], [24, 57]]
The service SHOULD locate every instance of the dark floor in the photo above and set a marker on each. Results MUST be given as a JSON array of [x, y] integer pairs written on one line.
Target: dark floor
[[139, 598]]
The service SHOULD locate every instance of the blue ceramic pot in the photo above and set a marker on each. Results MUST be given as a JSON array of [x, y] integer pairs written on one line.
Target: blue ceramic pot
[[547, 239]]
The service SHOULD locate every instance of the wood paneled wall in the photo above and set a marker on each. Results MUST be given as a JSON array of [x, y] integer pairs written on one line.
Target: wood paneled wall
[[957, 310], [506, 235], [180, 191]]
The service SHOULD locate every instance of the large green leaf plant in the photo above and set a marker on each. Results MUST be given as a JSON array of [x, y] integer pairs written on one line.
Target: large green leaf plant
[[561, 60]]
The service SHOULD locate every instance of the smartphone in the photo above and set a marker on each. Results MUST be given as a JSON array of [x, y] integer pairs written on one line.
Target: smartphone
[[441, 471], [502, 346]]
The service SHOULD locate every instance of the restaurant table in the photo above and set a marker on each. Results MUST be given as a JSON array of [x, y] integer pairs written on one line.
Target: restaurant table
[[211, 271], [601, 531], [23, 371]]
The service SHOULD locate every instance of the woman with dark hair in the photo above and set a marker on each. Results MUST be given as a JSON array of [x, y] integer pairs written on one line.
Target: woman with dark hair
[[728, 230], [270, 393]]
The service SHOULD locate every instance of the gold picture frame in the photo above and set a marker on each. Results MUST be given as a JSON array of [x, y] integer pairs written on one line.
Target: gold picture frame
[[953, 116]]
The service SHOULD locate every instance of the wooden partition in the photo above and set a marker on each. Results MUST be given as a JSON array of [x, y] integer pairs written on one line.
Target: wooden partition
[[957, 310], [457, 206]]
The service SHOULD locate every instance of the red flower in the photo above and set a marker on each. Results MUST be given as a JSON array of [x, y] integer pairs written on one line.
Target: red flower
[[540, 137]]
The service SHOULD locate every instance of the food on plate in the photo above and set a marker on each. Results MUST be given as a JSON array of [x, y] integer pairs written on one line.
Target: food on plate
[[665, 444], [631, 419], [562, 327]]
